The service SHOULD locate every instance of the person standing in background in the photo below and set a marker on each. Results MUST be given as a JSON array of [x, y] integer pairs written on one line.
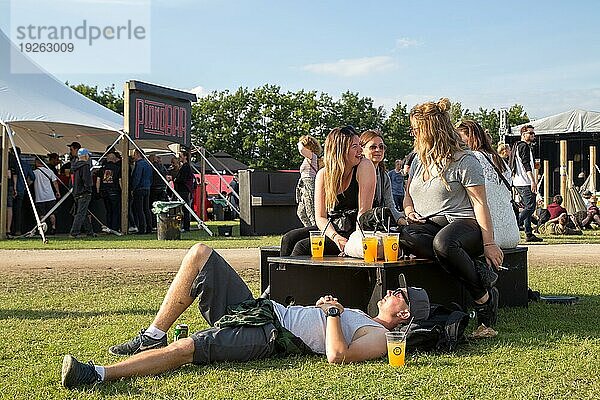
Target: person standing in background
[[397, 179], [108, 184], [184, 185], [524, 179], [19, 189], [82, 193], [310, 149], [141, 180], [46, 192]]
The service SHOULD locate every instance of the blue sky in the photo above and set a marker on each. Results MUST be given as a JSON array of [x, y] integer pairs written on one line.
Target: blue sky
[[544, 55]]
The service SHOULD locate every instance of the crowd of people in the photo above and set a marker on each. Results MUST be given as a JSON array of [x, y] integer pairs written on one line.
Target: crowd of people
[[51, 179]]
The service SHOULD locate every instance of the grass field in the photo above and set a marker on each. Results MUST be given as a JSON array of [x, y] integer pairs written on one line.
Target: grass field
[[544, 351]]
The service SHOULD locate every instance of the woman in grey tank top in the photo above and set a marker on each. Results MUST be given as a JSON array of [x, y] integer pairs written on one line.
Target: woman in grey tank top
[[446, 206]]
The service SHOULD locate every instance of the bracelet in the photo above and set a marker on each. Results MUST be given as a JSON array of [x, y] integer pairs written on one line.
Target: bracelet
[[334, 235], [489, 244]]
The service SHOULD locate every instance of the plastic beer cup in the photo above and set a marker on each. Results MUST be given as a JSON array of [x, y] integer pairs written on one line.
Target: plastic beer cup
[[396, 346], [317, 244], [370, 248], [391, 246]]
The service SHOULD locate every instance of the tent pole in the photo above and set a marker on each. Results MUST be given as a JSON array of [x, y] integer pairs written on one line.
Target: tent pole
[[27, 189], [4, 187], [186, 205], [202, 184], [569, 173], [546, 183], [592, 170], [563, 168], [125, 161]]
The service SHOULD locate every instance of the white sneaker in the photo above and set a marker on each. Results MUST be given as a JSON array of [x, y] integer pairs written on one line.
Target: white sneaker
[[133, 229]]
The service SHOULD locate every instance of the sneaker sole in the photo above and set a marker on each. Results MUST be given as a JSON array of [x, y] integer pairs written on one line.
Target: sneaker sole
[[66, 370]]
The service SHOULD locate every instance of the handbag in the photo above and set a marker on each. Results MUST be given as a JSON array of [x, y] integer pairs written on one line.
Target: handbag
[[513, 203], [344, 221]]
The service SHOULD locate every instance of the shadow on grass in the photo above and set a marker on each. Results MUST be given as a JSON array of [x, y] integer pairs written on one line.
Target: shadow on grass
[[58, 314]]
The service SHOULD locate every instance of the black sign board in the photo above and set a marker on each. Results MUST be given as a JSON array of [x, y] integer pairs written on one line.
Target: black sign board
[[158, 113]]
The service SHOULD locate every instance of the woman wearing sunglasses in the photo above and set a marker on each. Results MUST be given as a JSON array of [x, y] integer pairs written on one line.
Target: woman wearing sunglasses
[[446, 207], [374, 150], [344, 190]]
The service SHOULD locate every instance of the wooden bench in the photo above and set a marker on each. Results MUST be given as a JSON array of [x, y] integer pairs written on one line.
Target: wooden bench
[[303, 279]]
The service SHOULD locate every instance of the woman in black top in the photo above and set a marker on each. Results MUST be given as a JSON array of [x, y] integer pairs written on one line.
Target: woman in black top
[[346, 183]]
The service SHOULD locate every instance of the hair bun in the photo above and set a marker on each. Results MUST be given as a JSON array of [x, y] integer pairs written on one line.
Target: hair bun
[[444, 104]]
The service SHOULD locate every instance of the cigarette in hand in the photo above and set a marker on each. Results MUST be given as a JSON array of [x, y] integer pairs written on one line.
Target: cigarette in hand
[[502, 267]]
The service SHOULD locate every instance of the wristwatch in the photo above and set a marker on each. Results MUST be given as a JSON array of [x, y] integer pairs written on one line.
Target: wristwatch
[[333, 312]]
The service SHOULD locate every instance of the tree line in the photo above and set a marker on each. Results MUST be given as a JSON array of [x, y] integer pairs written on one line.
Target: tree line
[[260, 127]]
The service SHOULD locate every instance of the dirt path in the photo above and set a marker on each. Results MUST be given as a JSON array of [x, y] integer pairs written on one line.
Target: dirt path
[[15, 261]]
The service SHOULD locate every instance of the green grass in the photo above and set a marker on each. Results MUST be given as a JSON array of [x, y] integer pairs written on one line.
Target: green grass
[[544, 351], [218, 242], [103, 241]]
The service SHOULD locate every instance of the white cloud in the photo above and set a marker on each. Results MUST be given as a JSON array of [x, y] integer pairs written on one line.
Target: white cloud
[[354, 66], [199, 91], [403, 43]]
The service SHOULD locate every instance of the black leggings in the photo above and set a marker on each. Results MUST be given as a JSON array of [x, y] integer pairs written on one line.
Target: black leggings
[[297, 243], [454, 246]]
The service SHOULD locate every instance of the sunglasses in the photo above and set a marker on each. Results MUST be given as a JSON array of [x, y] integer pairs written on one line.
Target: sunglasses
[[400, 292], [348, 130], [381, 147]]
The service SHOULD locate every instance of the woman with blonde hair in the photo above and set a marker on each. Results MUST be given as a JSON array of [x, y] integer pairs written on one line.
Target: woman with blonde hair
[[373, 147], [344, 190], [310, 149], [446, 207], [497, 187]]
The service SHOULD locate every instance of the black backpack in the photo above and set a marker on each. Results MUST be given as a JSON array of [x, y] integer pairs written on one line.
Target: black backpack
[[443, 331]]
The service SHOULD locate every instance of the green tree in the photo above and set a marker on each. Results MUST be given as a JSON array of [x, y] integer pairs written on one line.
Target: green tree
[[517, 115], [106, 97], [397, 134]]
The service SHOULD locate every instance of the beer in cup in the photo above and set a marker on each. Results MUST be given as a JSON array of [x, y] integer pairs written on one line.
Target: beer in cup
[[391, 246], [396, 346], [317, 244], [370, 248]]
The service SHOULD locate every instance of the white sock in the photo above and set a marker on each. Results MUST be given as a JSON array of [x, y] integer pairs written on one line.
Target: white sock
[[154, 332], [100, 370]]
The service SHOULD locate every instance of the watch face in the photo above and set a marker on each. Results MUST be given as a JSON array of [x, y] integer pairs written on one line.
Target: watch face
[[333, 312]]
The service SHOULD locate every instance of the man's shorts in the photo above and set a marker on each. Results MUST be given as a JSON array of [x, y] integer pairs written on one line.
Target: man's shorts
[[218, 286], [9, 200], [44, 206]]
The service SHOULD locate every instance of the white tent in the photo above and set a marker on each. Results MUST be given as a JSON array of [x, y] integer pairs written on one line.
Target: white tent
[[46, 115], [573, 121]]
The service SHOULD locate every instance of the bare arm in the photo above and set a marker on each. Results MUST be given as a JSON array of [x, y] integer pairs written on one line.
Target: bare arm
[[365, 175], [368, 341], [492, 252], [305, 152]]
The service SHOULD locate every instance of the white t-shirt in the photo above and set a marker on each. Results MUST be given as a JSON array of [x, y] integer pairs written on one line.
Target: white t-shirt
[[309, 323], [43, 184]]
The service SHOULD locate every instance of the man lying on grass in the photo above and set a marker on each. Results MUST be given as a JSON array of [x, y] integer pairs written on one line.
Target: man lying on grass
[[245, 329]]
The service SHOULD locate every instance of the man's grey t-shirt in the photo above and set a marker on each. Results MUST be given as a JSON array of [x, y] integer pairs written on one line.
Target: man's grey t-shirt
[[432, 198], [310, 323]]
